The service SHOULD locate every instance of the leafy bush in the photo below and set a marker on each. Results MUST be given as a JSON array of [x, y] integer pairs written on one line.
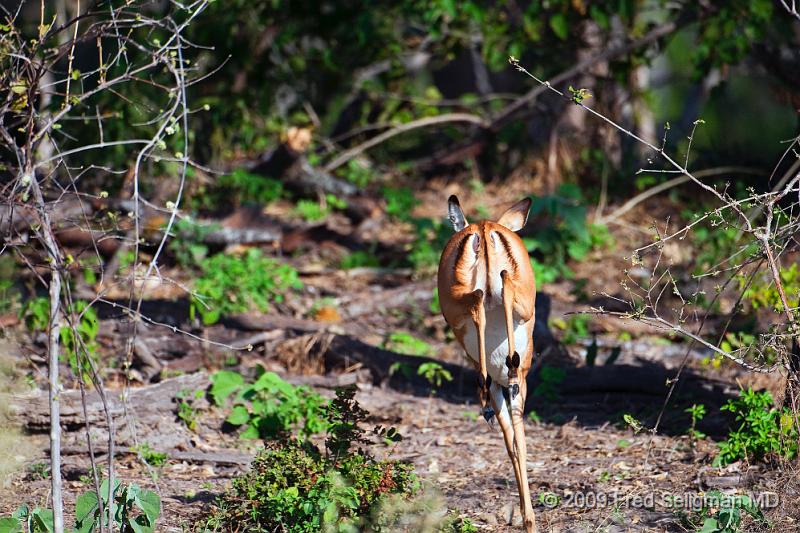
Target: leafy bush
[[235, 284], [764, 430], [186, 410], [566, 235], [762, 292], [294, 487], [269, 407], [576, 327]]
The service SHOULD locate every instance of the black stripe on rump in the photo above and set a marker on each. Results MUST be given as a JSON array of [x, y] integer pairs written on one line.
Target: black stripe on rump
[[507, 247]]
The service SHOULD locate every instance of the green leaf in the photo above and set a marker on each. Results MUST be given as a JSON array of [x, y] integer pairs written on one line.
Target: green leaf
[[150, 504], [225, 383], [42, 521], [85, 506], [710, 525], [250, 433], [104, 489], [239, 415], [560, 26], [10, 525]]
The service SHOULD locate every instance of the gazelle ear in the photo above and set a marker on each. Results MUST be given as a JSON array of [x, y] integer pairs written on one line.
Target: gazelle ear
[[516, 216], [455, 214]]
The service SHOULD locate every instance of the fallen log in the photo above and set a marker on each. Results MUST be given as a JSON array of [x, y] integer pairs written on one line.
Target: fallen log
[[149, 405]]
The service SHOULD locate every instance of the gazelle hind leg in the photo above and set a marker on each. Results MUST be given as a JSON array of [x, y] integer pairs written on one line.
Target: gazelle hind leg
[[517, 406], [504, 420], [478, 313]]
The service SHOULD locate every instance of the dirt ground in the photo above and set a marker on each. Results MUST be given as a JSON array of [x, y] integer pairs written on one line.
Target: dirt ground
[[588, 470]]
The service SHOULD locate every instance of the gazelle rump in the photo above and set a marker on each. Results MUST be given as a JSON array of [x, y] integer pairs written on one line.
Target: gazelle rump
[[487, 294]]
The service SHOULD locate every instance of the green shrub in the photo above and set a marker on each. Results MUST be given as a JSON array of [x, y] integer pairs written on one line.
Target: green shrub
[[764, 431], [236, 284], [269, 407], [762, 292], [566, 235], [294, 487]]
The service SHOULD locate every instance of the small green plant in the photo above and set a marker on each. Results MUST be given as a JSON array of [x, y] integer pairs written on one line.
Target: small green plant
[[400, 202], [435, 307], [549, 499], [550, 379], [712, 246], [312, 211], [407, 344], [575, 328], [149, 455], [186, 410], [723, 513], [357, 173], [632, 422], [136, 511], [763, 430], [359, 259], [458, 525], [294, 487], [268, 407], [697, 412], [236, 284], [435, 373], [35, 521], [187, 242], [38, 470]]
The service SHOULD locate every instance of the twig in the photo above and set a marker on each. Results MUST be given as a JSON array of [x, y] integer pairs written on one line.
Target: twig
[[674, 182], [347, 155]]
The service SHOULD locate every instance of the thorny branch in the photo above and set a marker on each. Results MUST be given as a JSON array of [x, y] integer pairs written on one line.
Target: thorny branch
[[48, 98], [768, 237]]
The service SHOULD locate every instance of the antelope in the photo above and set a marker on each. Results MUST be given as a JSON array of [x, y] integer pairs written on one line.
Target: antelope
[[487, 294]]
